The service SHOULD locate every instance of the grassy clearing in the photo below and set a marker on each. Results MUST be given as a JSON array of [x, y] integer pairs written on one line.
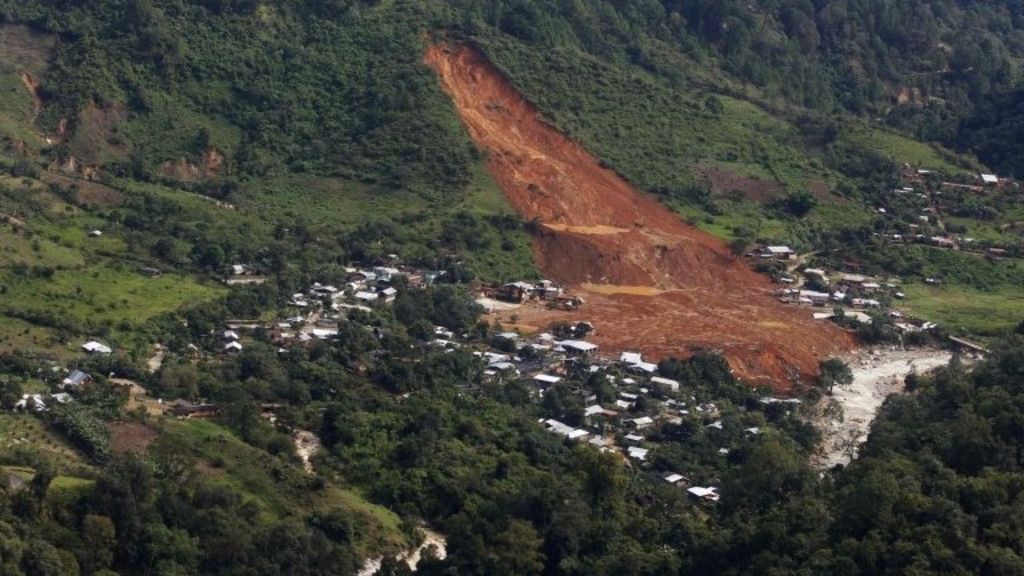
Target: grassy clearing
[[18, 335], [103, 294], [899, 148], [325, 202], [484, 195], [967, 311], [19, 431], [22, 247], [984, 231]]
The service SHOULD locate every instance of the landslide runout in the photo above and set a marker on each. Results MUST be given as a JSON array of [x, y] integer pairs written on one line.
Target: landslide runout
[[600, 233]]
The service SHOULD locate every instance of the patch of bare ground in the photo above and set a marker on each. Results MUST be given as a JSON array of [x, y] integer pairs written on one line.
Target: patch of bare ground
[[686, 291], [210, 166], [130, 437], [728, 183], [845, 417], [85, 191]]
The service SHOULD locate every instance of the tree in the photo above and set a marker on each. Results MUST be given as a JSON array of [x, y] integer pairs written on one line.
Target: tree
[[834, 372], [179, 380], [799, 204], [98, 543], [741, 245], [516, 551], [42, 559], [10, 393], [713, 104]]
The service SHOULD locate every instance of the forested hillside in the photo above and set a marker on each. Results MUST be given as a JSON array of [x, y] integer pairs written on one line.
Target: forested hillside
[[147, 82], [196, 195]]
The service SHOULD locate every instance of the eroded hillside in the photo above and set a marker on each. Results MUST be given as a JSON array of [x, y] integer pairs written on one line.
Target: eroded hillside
[[651, 282]]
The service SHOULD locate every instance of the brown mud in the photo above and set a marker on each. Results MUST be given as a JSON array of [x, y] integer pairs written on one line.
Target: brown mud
[[651, 282]]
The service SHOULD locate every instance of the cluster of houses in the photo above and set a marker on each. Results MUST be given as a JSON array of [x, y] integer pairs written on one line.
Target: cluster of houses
[[321, 307], [644, 399], [542, 291], [39, 402], [929, 229], [854, 290]]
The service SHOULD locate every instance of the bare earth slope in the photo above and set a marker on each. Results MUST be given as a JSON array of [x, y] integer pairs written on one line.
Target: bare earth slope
[[651, 282]]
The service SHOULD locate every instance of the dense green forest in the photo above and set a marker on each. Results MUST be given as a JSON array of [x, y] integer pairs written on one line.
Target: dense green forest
[[172, 79]]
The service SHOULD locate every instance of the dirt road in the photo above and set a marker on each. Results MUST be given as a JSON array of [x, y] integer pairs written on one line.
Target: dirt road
[[650, 281]]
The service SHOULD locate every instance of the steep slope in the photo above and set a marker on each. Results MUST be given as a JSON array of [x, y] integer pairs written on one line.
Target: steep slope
[[651, 282]]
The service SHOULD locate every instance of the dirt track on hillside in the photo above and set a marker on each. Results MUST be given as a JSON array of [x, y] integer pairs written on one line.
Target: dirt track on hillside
[[650, 282]]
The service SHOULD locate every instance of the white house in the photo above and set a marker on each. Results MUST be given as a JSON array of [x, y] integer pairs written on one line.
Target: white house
[[547, 379], [637, 453], [780, 252], [630, 358], [642, 422], [94, 347], [673, 478], [578, 346], [708, 494], [672, 385]]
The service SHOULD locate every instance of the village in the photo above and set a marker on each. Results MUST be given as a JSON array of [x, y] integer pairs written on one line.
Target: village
[[618, 403]]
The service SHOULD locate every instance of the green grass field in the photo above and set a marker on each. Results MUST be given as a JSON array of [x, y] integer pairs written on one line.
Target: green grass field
[[19, 335], [19, 431], [899, 148], [966, 311], [104, 294], [326, 203]]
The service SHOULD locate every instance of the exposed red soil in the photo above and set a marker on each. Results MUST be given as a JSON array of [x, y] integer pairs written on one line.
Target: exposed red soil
[[185, 171], [696, 294]]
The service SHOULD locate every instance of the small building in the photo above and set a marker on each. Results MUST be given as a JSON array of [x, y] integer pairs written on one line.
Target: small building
[[367, 296], [565, 430], [778, 252], [637, 453], [33, 402], [641, 423], [547, 379], [672, 385], [230, 335], [674, 479], [577, 347], [814, 297], [95, 233], [233, 347], [515, 291], [634, 438], [94, 347], [630, 358], [186, 409], [645, 367], [704, 494], [989, 179], [75, 380]]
